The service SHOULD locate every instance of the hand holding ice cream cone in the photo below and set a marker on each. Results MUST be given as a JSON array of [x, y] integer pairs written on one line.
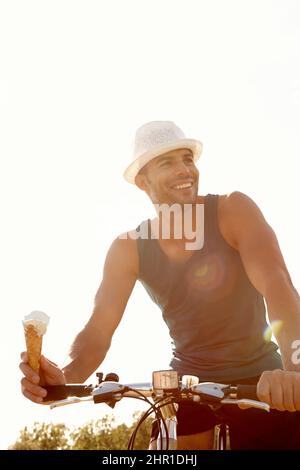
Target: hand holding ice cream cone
[[35, 326]]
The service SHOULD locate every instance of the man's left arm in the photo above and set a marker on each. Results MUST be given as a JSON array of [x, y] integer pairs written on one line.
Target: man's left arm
[[264, 264]]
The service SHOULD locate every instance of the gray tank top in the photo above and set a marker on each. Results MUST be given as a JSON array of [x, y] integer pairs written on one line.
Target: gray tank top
[[216, 318]]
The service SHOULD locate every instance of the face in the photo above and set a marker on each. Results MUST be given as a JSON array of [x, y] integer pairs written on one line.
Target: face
[[170, 178]]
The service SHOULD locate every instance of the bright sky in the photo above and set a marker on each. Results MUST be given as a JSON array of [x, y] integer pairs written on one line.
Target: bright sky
[[76, 80]]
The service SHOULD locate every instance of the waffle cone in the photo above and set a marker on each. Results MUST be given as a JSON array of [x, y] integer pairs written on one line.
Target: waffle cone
[[34, 347]]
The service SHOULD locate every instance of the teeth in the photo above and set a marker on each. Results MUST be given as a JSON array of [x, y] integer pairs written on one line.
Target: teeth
[[183, 186]]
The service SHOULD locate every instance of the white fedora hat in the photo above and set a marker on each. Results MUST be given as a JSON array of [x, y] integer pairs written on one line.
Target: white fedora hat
[[156, 138]]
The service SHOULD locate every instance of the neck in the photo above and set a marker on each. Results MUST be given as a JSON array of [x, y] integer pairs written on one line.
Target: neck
[[179, 222]]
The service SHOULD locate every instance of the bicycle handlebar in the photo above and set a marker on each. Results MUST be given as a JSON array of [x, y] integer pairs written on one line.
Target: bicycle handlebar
[[61, 392], [162, 394], [247, 391], [208, 393]]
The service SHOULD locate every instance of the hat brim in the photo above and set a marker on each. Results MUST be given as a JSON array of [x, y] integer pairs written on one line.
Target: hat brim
[[132, 170]]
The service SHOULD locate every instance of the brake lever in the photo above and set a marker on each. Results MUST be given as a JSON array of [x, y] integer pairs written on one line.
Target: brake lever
[[108, 392], [68, 401], [247, 403], [210, 390]]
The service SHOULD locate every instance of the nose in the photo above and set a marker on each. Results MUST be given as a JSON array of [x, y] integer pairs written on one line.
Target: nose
[[181, 169]]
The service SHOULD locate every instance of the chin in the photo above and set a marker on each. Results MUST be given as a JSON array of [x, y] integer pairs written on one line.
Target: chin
[[192, 199], [181, 199]]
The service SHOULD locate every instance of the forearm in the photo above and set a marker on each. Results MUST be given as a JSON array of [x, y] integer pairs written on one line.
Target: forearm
[[86, 354], [283, 304]]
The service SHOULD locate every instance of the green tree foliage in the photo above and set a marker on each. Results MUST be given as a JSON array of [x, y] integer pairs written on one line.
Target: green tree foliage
[[42, 436], [101, 434]]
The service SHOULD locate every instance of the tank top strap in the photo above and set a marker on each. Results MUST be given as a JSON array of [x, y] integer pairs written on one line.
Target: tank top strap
[[212, 230]]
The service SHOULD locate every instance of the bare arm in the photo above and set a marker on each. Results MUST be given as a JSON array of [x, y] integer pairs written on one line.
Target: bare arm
[[266, 269], [92, 343]]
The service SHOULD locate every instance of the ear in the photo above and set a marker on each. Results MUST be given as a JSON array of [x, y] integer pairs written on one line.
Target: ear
[[141, 182]]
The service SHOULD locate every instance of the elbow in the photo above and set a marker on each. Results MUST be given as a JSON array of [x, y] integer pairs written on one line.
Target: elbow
[[278, 279], [282, 299], [97, 339]]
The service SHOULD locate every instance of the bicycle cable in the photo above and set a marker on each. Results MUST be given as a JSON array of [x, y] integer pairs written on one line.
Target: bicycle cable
[[154, 409], [159, 418]]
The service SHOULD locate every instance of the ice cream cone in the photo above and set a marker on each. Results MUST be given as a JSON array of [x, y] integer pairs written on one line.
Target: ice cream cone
[[34, 347], [35, 326]]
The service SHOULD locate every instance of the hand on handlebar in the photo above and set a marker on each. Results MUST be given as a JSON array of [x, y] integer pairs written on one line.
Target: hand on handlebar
[[280, 389], [32, 384]]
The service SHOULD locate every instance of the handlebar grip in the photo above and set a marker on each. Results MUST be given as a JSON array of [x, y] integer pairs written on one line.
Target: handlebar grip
[[60, 392], [247, 391]]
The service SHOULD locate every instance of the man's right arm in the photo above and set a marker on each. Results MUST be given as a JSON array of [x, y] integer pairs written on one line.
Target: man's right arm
[[92, 343]]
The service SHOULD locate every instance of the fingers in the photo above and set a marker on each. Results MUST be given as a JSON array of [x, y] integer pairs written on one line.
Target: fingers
[[277, 393], [31, 397], [269, 389], [49, 374], [280, 389], [29, 373], [36, 392], [52, 374], [283, 390], [27, 370], [24, 356], [289, 402], [29, 383], [264, 389], [289, 397], [51, 362], [48, 366]]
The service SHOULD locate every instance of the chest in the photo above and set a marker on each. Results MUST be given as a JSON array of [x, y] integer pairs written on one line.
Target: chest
[[176, 250]]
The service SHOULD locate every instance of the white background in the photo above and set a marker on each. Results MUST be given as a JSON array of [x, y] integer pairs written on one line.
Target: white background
[[76, 80]]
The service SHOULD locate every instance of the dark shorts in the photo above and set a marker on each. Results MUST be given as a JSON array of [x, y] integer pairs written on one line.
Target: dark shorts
[[248, 429]]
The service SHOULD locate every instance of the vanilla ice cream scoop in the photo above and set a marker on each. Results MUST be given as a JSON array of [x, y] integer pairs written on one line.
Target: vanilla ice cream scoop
[[39, 320], [35, 326]]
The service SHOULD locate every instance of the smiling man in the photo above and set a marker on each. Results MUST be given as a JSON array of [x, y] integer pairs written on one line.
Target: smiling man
[[212, 298]]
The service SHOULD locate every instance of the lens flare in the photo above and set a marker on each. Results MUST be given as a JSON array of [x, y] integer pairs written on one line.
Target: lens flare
[[202, 271], [207, 274], [273, 328], [211, 277]]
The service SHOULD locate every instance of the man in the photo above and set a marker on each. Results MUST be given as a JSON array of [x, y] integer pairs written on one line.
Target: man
[[210, 292]]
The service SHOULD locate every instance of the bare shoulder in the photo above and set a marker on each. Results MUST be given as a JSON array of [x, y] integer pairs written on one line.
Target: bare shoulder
[[236, 203], [240, 216], [233, 209], [234, 199]]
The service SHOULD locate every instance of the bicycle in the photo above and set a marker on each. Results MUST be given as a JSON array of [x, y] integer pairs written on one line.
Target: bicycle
[[162, 395]]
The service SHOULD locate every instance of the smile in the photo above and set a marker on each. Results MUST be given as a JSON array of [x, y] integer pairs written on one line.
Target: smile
[[183, 186]]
